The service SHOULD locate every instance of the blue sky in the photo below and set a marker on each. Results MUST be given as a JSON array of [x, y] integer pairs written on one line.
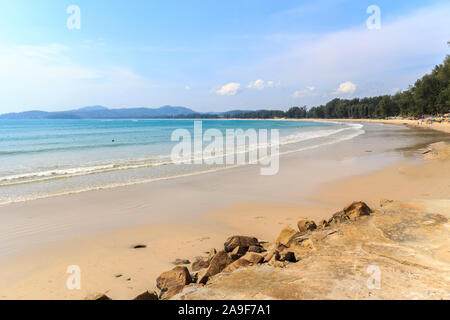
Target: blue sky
[[213, 55]]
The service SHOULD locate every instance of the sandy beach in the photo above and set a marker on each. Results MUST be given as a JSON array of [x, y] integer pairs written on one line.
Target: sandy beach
[[181, 218]]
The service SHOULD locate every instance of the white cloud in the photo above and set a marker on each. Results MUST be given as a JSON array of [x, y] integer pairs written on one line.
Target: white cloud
[[45, 76], [375, 60], [260, 84], [308, 91], [347, 87], [187, 87], [230, 89]]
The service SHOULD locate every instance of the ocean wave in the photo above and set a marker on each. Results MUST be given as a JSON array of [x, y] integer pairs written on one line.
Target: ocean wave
[[64, 173]]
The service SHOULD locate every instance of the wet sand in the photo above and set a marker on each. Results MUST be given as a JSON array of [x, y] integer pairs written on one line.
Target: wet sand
[[182, 217]]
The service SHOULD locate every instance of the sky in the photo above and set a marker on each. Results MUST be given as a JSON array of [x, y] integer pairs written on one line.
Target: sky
[[213, 55]]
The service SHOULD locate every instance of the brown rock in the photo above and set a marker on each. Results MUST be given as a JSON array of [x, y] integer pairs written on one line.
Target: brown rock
[[271, 254], [238, 252], [171, 282], [200, 263], [216, 265], [286, 236], [357, 209], [306, 225], [239, 241], [257, 249], [147, 296], [253, 257]]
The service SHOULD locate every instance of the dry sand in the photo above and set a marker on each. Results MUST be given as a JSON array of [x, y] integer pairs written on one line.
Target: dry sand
[[186, 217]]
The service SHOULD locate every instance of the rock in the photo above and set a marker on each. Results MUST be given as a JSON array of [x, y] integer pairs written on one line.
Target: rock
[[357, 209], [253, 257], [257, 249], [216, 265], [287, 256], [172, 282], [200, 263], [286, 236], [306, 225], [238, 252], [239, 241], [139, 246], [147, 296], [270, 254], [178, 262]]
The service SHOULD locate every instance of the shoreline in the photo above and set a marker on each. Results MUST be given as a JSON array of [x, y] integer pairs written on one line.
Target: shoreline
[[106, 253]]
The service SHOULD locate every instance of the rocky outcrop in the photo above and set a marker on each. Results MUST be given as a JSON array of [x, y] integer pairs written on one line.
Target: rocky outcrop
[[397, 252]]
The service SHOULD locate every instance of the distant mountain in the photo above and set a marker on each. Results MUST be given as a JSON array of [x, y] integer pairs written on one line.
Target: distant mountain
[[100, 112]]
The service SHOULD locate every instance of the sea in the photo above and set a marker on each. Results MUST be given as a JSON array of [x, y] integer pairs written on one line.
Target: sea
[[45, 158]]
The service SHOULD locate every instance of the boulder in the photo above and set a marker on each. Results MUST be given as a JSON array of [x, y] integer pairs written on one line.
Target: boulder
[[238, 252], [147, 296], [200, 263], [253, 257], [239, 241], [286, 236], [306, 225], [216, 265], [357, 209], [172, 282]]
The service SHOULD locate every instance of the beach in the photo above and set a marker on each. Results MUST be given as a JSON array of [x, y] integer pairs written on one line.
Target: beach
[[180, 218]]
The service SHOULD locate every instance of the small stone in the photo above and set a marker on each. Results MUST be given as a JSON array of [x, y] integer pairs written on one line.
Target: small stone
[[140, 246]]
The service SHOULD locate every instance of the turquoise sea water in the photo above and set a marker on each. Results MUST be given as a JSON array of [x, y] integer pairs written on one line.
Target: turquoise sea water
[[40, 158]]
